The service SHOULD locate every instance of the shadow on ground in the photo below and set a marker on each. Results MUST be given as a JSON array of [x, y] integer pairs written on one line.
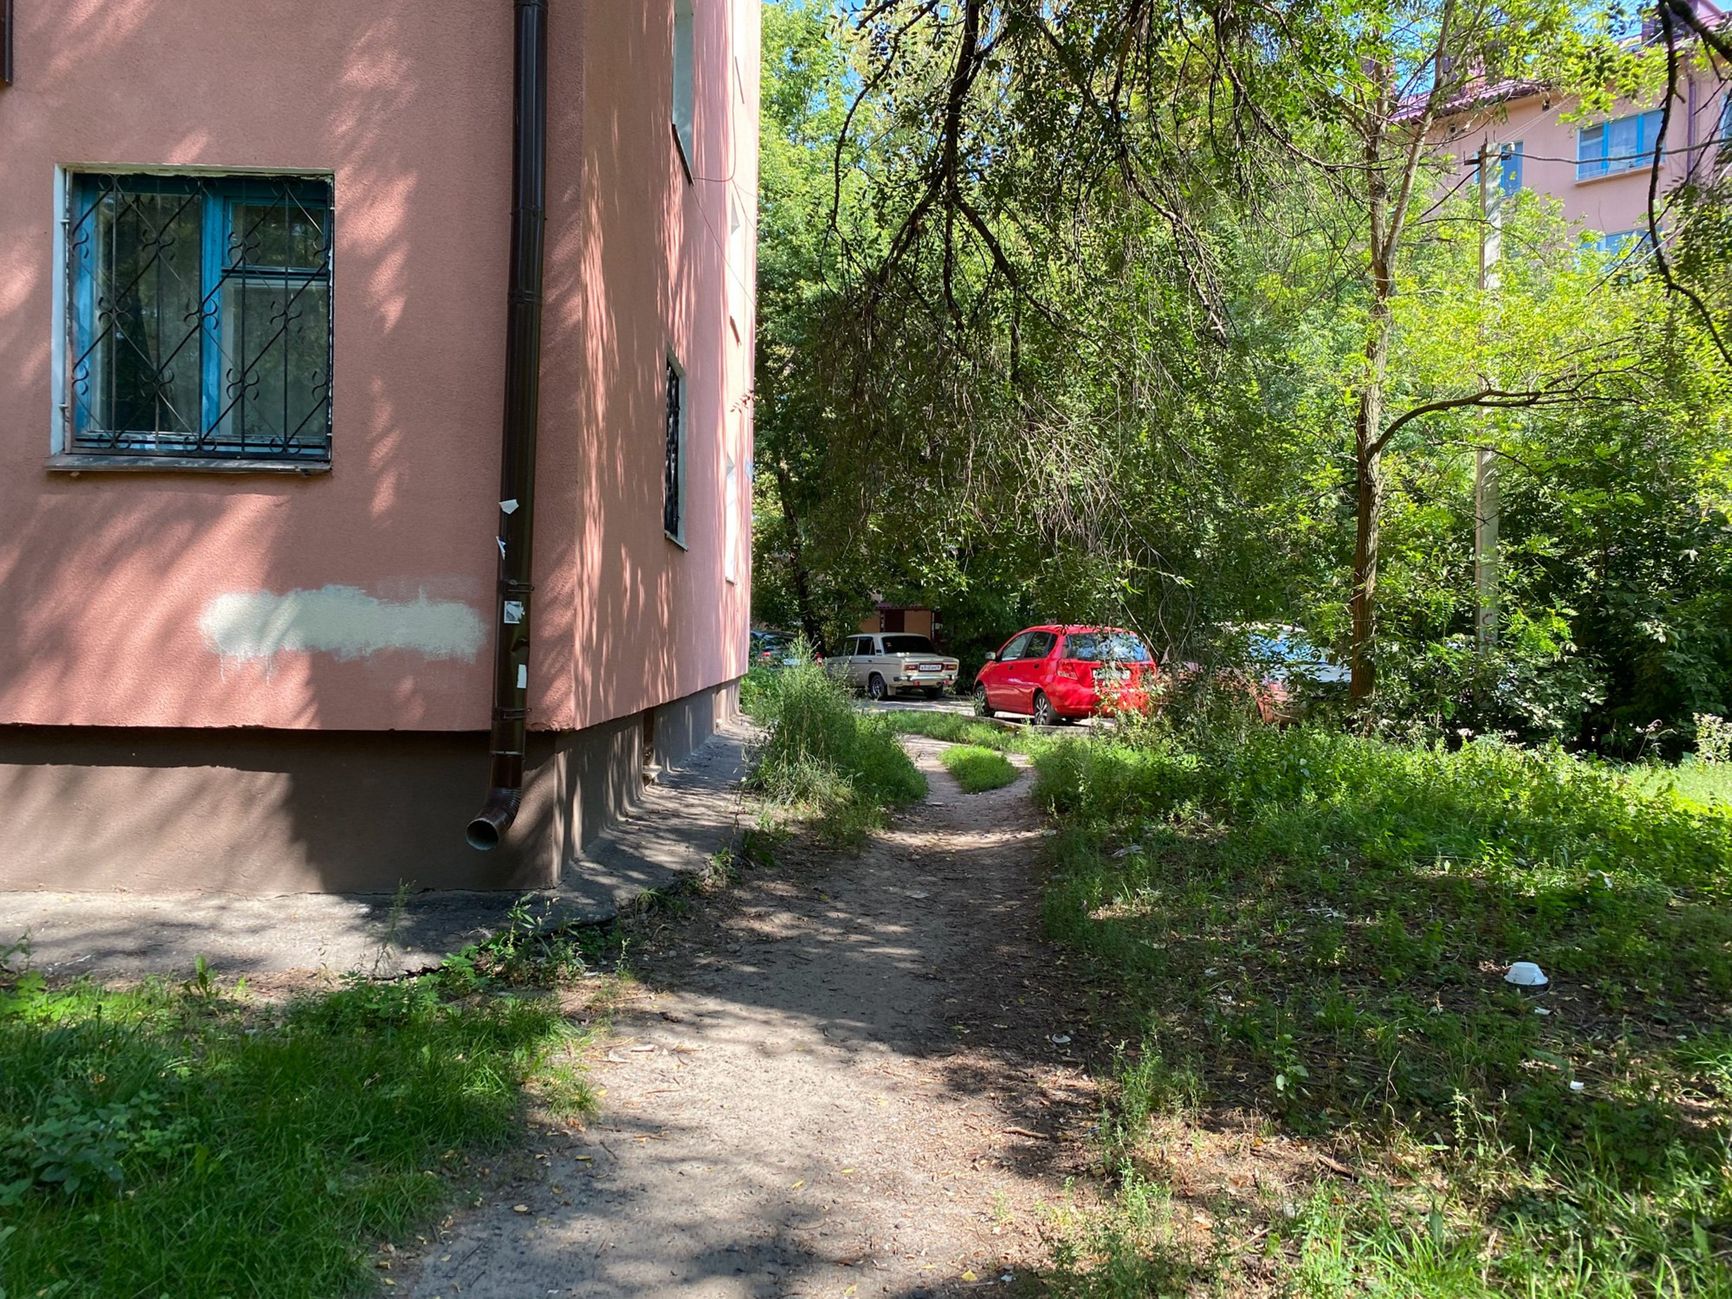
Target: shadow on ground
[[690, 816], [849, 1074]]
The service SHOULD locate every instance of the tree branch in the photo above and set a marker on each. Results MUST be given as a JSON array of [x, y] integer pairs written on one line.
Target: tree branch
[[1493, 398], [1670, 13]]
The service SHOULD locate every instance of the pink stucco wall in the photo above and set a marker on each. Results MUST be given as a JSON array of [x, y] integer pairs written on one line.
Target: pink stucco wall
[[1546, 126], [108, 581]]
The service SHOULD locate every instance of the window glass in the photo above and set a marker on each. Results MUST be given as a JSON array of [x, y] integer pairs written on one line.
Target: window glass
[[1509, 179], [1283, 647], [1621, 243], [1619, 145], [731, 522], [1039, 645], [276, 336], [685, 97], [147, 284], [1106, 646], [909, 645], [283, 235], [200, 312], [1014, 649]]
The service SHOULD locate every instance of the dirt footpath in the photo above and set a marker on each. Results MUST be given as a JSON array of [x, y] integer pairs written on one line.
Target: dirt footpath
[[846, 1075]]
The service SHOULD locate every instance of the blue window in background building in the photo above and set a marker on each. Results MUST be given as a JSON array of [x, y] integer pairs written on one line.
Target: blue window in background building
[[1509, 178], [1619, 145]]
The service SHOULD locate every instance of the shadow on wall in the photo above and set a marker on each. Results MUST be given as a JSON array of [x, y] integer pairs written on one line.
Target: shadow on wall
[[658, 621], [107, 578], [103, 576]]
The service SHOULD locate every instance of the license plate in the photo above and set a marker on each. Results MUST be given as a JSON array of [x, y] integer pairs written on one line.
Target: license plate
[[932, 667]]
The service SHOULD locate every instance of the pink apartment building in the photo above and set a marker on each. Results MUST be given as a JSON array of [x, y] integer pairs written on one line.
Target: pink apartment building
[[1598, 165], [375, 431]]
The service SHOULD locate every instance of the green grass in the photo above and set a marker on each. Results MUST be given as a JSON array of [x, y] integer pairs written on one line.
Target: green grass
[[824, 758], [180, 1140], [755, 690], [1708, 784], [959, 728], [1306, 934], [976, 769]]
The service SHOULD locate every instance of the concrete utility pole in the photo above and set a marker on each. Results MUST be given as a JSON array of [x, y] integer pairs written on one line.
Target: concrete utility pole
[[1485, 497]]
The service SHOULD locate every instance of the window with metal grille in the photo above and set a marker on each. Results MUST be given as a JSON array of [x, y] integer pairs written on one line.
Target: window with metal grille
[[673, 456], [200, 317]]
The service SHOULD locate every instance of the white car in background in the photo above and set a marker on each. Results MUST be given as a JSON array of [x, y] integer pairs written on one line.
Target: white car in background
[[893, 662]]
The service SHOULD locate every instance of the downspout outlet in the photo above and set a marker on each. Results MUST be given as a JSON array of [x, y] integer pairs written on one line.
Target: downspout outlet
[[496, 814]]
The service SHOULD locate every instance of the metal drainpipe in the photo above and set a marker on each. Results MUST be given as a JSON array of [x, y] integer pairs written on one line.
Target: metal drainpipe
[[517, 441]]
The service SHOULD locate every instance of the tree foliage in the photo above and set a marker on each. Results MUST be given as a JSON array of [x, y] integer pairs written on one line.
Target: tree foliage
[[1164, 314]]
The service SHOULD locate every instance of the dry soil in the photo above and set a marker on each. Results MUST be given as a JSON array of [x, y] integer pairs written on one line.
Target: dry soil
[[848, 1073]]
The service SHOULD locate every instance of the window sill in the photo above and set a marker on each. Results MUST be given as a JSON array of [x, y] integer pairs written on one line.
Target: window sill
[[99, 463], [1641, 171], [678, 541]]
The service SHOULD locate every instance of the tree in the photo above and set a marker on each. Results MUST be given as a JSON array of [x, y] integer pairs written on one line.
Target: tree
[[1165, 315]]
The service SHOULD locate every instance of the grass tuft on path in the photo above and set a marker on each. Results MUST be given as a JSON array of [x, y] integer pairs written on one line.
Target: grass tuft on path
[[1307, 933], [824, 757], [976, 769], [958, 728], [190, 1140]]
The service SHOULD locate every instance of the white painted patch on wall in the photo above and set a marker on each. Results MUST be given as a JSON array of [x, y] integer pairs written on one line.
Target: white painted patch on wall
[[343, 621]]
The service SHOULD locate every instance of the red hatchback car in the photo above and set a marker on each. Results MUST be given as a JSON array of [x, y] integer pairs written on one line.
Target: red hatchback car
[[1055, 674]]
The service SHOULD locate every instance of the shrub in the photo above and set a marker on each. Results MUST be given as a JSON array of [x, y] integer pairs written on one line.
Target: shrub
[[755, 688], [1713, 738]]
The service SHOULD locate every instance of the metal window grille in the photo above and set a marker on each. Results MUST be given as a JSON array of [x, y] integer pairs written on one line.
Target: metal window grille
[[671, 454], [201, 317]]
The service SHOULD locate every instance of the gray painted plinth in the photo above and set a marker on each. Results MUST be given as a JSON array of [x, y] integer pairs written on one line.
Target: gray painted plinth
[[689, 815]]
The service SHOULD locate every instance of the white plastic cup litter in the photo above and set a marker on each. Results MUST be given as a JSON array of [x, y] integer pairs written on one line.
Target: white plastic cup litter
[[1525, 974]]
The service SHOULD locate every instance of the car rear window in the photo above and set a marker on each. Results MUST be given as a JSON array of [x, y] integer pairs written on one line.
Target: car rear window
[[1106, 646], [909, 645]]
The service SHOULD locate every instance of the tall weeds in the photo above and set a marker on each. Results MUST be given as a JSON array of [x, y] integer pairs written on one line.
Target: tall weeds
[[824, 757]]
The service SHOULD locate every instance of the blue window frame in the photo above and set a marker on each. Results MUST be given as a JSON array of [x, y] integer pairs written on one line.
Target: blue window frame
[[1622, 243], [1509, 174], [1622, 144], [200, 314]]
